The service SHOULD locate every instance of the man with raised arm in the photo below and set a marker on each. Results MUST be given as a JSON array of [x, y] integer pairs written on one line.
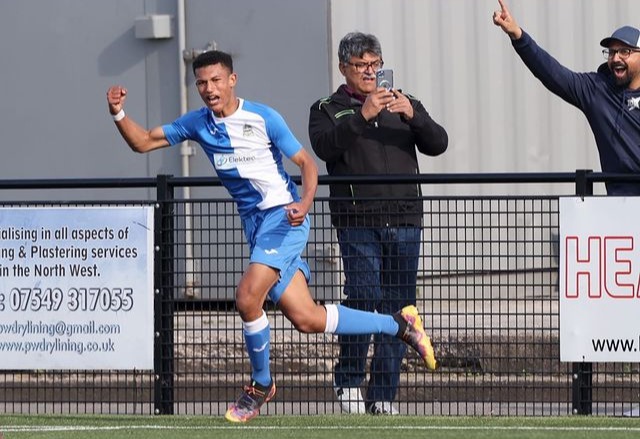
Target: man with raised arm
[[609, 97]]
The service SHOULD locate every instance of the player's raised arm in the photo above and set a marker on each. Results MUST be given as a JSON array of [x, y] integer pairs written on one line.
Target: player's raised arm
[[506, 21], [138, 138]]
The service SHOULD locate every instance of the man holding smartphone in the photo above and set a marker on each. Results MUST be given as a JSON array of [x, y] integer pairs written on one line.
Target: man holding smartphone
[[367, 129]]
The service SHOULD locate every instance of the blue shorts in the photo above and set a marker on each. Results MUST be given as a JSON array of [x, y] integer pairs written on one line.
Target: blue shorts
[[276, 243]]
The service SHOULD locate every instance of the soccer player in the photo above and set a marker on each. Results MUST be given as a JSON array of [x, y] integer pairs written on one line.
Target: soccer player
[[245, 142]]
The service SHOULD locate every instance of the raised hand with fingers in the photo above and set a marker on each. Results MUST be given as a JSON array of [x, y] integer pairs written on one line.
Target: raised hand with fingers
[[505, 20]]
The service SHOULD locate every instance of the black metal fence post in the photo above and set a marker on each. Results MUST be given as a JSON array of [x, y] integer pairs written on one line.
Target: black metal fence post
[[163, 292], [582, 373], [582, 388], [584, 186]]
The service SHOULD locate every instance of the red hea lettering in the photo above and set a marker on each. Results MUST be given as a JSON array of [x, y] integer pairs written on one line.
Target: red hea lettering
[[601, 266]]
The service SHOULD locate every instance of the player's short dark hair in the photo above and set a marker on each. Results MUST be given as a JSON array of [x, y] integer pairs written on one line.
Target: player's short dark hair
[[213, 57]]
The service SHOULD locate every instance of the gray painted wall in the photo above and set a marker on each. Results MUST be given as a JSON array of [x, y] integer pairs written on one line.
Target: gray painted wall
[[59, 58], [280, 50]]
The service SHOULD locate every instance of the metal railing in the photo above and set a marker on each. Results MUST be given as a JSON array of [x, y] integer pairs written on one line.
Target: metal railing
[[487, 288]]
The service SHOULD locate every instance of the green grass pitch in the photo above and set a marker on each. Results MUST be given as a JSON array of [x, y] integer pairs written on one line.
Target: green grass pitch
[[315, 427]]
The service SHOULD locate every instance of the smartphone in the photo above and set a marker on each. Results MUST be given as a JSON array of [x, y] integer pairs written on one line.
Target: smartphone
[[384, 78]]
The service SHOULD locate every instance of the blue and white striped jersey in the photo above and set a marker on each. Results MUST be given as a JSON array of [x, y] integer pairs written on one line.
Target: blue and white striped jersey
[[245, 150]]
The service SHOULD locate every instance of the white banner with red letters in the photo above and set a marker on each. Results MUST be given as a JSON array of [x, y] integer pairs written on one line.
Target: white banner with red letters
[[599, 279]]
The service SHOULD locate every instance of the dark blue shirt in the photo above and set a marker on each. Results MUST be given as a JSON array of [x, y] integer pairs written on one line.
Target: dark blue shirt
[[613, 112]]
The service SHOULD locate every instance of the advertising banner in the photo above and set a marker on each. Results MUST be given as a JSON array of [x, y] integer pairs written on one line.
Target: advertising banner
[[76, 288], [599, 279]]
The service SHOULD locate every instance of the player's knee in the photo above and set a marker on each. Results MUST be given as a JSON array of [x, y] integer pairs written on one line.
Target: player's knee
[[246, 305], [307, 324], [304, 327]]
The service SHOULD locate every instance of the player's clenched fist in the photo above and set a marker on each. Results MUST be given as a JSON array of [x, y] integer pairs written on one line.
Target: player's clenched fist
[[116, 95]]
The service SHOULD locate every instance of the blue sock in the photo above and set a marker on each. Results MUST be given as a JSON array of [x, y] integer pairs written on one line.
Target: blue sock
[[258, 349], [354, 322]]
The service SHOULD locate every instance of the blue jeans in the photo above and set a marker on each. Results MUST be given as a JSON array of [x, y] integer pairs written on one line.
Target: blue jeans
[[380, 266]]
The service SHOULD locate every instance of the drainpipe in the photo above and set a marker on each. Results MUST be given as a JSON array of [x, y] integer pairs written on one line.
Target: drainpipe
[[186, 151], [191, 289]]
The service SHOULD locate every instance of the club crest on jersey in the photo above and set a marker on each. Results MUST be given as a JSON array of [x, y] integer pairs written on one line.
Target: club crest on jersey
[[247, 130], [633, 103]]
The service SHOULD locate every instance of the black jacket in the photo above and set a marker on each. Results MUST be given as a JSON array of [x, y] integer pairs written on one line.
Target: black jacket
[[350, 145]]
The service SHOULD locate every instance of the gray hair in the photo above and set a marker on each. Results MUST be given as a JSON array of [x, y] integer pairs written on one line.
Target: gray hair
[[357, 44]]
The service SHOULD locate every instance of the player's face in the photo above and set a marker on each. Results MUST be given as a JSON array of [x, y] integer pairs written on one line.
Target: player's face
[[216, 84], [360, 73]]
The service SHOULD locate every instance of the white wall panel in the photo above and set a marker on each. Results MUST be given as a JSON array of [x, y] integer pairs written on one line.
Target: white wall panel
[[449, 54]]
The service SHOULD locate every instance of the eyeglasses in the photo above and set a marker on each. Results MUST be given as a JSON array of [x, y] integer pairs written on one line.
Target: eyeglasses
[[623, 53], [362, 67]]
